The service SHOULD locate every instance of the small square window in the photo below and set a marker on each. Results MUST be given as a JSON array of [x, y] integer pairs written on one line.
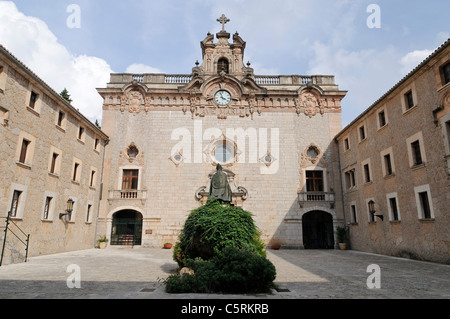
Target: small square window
[[388, 164], [93, 178], [88, 213], [61, 118], [33, 99], [425, 205], [367, 173], [23, 151], [350, 180], [382, 119], [97, 144], [409, 100], [81, 133], [446, 73], [48, 202], [416, 153], [76, 173], [15, 203], [53, 163], [424, 202], [346, 144], [353, 214], [362, 133], [393, 208]]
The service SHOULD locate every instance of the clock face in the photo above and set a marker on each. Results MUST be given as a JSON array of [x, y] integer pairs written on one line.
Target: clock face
[[222, 98]]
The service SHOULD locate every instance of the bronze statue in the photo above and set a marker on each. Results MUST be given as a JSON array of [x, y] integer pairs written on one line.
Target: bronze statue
[[220, 188]]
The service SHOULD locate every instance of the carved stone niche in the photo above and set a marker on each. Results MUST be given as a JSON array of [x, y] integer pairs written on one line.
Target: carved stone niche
[[133, 99], [310, 104], [240, 194], [446, 101], [132, 155], [312, 154]]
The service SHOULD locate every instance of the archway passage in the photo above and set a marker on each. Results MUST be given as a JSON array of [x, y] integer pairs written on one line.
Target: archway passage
[[318, 230], [127, 228]]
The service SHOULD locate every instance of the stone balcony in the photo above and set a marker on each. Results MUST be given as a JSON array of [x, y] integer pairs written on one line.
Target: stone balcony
[[316, 199], [127, 195], [263, 80]]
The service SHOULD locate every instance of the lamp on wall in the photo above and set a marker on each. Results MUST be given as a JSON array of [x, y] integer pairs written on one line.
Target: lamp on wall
[[69, 209], [372, 210]]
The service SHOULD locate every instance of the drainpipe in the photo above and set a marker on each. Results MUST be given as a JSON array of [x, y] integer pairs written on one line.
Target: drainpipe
[[340, 181], [100, 193]]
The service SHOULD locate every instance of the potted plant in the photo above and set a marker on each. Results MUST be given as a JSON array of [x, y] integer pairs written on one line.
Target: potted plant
[[342, 237], [276, 244], [167, 245], [102, 242]]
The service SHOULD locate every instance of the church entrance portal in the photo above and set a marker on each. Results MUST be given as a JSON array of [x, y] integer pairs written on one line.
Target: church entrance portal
[[318, 230], [126, 228]]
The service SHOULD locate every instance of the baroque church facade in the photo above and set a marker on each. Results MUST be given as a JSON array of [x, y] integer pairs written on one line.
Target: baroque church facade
[[279, 139], [273, 136]]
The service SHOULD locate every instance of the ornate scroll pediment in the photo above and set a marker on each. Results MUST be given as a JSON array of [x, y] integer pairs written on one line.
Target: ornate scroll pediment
[[310, 104], [133, 101], [132, 154]]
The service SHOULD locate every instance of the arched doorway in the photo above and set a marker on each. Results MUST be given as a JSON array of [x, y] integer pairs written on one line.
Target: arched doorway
[[127, 228], [318, 230]]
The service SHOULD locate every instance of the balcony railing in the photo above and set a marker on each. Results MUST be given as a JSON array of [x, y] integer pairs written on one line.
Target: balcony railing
[[127, 194], [177, 79], [316, 198]]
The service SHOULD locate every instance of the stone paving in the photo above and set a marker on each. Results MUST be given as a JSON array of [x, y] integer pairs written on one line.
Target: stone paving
[[126, 273]]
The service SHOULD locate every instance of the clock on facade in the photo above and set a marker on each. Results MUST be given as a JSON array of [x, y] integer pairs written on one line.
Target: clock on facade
[[222, 97]]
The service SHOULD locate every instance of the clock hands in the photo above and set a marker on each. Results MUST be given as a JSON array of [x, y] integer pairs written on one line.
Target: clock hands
[[222, 98]]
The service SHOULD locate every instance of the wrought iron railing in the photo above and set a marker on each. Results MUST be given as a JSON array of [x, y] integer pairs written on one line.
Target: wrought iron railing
[[21, 236]]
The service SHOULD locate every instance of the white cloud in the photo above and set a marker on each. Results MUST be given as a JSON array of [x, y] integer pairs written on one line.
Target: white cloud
[[31, 41], [138, 68], [366, 74], [413, 59]]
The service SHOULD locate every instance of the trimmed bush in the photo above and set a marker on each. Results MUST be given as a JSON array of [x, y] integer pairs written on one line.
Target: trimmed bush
[[234, 271], [213, 227], [222, 246]]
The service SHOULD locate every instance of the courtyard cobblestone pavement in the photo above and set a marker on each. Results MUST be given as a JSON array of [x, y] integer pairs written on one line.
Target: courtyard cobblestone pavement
[[137, 273]]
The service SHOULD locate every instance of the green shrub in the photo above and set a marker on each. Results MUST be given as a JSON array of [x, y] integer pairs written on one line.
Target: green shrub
[[222, 245], [211, 228], [234, 271], [242, 271]]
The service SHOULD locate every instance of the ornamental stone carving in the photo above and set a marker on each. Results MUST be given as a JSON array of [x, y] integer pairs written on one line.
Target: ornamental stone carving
[[132, 154], [310, 104], [133, 101], [446, 102]]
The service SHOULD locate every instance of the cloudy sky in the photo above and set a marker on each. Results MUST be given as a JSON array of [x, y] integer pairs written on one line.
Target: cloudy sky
[[77, 43]]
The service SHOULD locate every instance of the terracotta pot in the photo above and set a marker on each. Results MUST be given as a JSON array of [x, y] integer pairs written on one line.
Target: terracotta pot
[[276, 246], [102, 245], [342, 246], [167, 246]]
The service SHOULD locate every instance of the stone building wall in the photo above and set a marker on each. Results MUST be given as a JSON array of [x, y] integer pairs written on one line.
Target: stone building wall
[[33, 178], [285, 127], [170, 189], [411, 234]]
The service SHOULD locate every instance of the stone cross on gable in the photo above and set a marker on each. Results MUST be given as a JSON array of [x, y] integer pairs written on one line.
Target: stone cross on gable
[[223, 20]]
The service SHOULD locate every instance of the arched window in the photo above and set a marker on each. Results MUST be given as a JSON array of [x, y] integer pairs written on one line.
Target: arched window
[[223, 65]]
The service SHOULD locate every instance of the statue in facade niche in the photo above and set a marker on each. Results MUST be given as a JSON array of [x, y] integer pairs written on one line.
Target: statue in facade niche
[[220, 188]]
